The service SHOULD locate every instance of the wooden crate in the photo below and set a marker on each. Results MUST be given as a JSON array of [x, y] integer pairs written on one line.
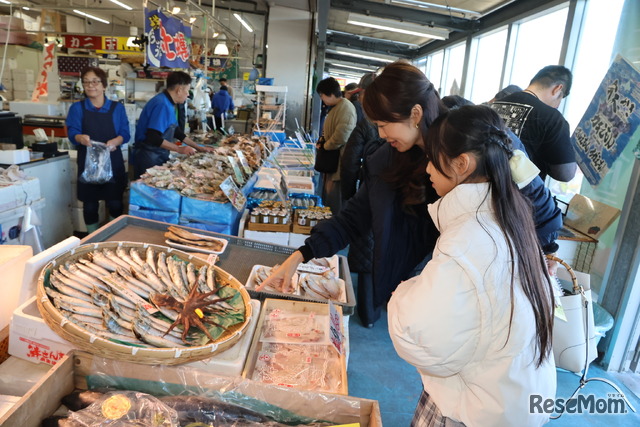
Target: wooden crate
[[72, 371]]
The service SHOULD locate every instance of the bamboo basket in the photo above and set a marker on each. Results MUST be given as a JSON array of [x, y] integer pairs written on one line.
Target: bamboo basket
[[94, 344]]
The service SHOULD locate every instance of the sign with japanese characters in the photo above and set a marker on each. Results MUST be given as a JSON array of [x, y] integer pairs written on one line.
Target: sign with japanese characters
[[42, 85], [81, 41], [169, 40], [609, 122]]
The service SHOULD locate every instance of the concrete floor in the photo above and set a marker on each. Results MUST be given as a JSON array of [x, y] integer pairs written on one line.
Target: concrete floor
[[376, 372]]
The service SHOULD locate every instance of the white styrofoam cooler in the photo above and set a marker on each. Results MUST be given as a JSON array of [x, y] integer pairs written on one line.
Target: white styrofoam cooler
[[31, 339], [19, 193], [12, 261]]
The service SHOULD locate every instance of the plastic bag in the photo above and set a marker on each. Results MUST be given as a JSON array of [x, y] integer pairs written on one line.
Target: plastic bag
[[97, 164]]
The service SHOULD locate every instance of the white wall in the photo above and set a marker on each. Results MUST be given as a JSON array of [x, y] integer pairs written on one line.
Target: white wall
[[288, 38]]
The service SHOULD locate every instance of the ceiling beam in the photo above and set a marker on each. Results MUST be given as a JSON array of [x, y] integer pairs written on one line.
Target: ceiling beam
[[512, 12], [416, 16], [366, 44]]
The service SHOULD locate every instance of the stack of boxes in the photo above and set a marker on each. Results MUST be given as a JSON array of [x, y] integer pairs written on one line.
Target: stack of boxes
[[22, 83]]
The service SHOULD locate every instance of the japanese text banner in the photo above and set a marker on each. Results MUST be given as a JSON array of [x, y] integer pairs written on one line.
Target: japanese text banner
[[169, 41], [609, 122]]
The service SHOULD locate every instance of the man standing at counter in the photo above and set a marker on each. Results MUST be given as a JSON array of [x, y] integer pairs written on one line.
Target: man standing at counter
[[158, 128]]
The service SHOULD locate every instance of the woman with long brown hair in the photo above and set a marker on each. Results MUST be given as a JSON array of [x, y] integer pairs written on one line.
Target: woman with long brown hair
[[393, 196]]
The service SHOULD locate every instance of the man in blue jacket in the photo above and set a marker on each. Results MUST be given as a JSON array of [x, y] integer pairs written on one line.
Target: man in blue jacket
[[221, 103]]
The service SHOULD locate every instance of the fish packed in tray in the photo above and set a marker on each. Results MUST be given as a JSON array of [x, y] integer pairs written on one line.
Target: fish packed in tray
[[318, 280], [312, 367], [129, 408], [145, 297], [177, 236]]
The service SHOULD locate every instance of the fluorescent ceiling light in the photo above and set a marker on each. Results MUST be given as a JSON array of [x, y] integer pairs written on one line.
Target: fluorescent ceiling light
[[25, 8], [79, 12], [5, 2], [243, 22], [192, 19], [398, 27], [353, 67], [121, 4], [363, 55]]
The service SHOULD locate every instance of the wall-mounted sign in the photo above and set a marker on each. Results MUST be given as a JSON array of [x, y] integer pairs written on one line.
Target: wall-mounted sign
[[42, 85], [169, 40], [80, 41], [609, 122]]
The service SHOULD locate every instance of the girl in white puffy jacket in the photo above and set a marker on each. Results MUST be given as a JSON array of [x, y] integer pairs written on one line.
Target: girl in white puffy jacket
[[477, 322]]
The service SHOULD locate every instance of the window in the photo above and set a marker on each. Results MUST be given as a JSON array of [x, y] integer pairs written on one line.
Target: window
[[421, 64], [536, 44], [452, 69], [485, 66], [434, 68]]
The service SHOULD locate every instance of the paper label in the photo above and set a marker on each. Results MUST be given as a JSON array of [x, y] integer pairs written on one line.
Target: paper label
[[311, 268], [335, 328], [233, 193], [244, 162], [236, 169]]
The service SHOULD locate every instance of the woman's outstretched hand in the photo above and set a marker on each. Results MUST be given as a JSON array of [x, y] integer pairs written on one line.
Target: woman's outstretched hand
[[280, 277]]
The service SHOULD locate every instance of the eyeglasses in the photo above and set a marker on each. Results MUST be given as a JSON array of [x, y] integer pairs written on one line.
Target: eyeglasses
[[91, 82]]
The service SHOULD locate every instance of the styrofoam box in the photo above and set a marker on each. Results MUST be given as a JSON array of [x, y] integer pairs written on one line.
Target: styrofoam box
[[21, 95], [231, 361], [31, 339], [39, 108], [273, 237], [23, 86], [20, 193], [19, 74], [14, 157], [12, 261]]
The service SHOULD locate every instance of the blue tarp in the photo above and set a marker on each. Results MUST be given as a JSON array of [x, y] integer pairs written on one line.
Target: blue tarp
[[157, 215], [148, 197]]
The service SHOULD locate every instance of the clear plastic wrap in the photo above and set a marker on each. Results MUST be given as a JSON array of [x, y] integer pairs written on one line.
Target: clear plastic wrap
[[97, 164], [210, 394], [126, 408]]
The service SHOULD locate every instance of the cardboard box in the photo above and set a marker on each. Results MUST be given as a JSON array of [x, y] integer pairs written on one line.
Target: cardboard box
[[12, 261], [31, 339], [589, 217], [20, 193], [72, 371]]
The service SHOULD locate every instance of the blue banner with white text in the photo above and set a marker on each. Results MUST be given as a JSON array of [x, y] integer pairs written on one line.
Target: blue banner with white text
[[169, 40], [609, 121]]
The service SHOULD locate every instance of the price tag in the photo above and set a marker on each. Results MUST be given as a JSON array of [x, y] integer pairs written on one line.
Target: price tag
[[236, 169], [244, 162], [233, 193], [311, 268], [335, 328]]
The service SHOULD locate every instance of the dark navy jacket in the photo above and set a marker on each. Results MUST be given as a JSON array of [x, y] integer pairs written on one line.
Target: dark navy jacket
[[402, 241]]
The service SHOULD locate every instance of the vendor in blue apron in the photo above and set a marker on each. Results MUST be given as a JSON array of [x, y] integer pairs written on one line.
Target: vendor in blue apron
[[158, 129], [96, 118]]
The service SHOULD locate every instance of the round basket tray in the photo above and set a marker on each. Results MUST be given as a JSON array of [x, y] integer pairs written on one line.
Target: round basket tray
[[87, 341]]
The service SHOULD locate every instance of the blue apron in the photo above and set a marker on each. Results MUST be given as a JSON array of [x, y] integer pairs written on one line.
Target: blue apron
[[100, 127], [147, 156]]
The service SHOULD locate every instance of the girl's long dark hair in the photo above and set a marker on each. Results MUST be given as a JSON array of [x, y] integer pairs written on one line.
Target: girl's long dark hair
[[390, 98], [478, 130]]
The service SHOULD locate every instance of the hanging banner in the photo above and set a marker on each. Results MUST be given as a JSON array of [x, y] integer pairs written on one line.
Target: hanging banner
[[609, 122], [42, 85], [169, 40]]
